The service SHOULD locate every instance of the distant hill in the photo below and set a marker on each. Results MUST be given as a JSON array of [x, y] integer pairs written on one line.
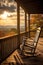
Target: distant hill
[[7, 30]]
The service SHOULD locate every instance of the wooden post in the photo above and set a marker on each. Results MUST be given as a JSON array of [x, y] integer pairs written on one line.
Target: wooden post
[[18, 22], [25, 24], [29, 24]]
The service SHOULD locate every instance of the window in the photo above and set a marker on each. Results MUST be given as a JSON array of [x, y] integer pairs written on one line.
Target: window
[[22, 20], [8, 18], [35, 21]]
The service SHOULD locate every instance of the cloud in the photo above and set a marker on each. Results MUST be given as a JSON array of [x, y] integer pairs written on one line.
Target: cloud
[[7, 0], [10, 0], [7, 8], [1, 0]]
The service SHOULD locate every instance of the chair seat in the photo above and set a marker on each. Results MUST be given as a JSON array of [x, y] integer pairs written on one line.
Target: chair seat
[[29, 46], [27, 53], [28, 43], [27, 50], [29, 40]]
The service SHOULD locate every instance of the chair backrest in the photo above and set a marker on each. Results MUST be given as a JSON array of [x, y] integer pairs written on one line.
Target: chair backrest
[[35, 41], [37, 36]]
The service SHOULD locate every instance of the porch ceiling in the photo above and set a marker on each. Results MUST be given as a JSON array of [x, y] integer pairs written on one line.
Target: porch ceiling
[[31, 6]]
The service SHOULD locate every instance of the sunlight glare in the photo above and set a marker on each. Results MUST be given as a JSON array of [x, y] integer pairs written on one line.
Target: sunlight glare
[[5, 15]]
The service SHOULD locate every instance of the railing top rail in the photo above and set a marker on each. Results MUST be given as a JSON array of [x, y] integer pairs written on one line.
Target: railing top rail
[[8, 36]]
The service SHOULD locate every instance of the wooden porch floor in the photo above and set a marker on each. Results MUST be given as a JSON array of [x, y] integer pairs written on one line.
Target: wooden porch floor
[[16, 59]]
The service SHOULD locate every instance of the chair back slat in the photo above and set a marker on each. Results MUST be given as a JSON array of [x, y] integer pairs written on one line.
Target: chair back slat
[[35, 41], [37, 34]]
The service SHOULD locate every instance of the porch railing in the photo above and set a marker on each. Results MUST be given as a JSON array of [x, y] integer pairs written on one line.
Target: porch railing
[[8, 44]]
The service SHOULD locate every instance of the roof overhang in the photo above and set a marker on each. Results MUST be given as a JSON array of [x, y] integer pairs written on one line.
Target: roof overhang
[[31, 6]]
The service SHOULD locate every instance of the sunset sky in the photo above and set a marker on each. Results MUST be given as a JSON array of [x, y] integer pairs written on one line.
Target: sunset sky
[[8, 12]]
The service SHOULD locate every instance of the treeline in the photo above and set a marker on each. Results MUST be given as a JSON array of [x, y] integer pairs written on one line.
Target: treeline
[[8, 32]]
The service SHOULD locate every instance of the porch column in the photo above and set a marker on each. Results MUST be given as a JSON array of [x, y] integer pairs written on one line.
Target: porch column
[[18, 22], [25, 24], [29, 25]]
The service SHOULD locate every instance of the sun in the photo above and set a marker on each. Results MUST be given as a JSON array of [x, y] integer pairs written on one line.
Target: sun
[[5, 15]]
